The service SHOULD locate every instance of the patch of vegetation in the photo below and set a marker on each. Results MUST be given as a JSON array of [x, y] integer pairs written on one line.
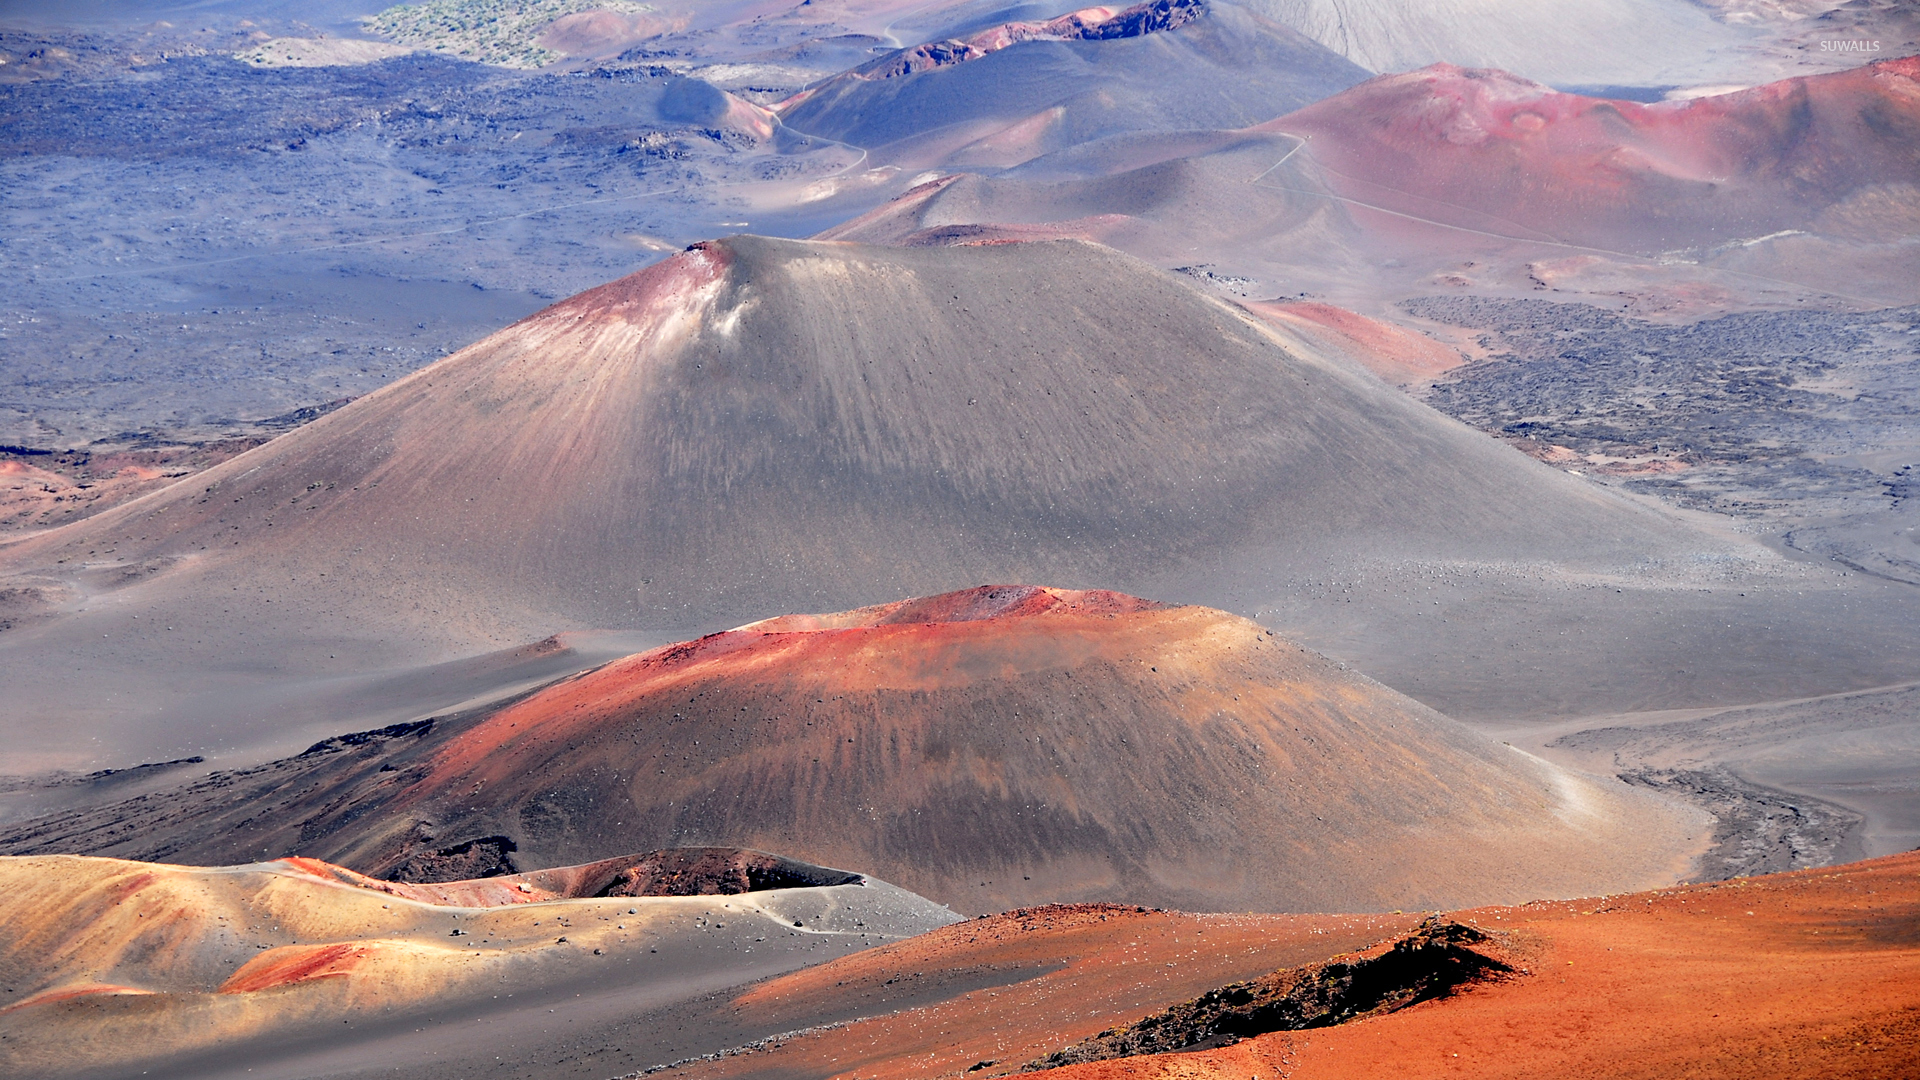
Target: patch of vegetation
[[501, 32]]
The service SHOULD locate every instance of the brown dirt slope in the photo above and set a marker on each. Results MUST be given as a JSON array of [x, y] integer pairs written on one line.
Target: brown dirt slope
[[1000, 990], [1437, 959], [1398, 355], [998, 746]]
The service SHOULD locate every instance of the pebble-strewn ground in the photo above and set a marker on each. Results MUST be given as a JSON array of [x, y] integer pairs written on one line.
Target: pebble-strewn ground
[[1801, 422]]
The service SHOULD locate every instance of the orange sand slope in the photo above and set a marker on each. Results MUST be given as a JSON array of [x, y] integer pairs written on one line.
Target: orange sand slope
[[107, 962], [1811, 974]]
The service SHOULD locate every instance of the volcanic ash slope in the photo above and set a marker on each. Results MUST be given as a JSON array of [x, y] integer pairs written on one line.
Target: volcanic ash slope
[[758, 425], [998, 746]]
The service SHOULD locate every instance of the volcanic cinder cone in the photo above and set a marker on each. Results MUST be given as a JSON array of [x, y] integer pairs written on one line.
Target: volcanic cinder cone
[[1450, 177], [992, 747], [761, 425]]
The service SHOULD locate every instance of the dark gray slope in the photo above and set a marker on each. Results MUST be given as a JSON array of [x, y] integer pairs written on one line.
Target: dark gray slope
[[1226, 69]]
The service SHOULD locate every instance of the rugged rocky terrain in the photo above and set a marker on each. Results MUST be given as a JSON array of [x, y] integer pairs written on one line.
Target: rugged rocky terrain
[[201, 243], [1798, 421]]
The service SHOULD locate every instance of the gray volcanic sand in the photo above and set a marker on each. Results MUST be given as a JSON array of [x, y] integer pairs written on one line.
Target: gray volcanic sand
[[382, 696], [769, 426], [1859, 751]]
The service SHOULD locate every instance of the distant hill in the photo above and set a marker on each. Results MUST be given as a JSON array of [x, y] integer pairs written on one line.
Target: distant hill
[[1591, 43], [1015, 91], [1447, 176], [1488, 151]]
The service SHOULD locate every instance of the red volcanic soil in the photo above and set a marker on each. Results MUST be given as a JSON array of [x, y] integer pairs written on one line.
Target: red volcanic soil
[[295, 964], [967, 605], [69, 993], [986, 748], [601, 33], [1811, 974], [1485, 150], [991, 747], [43, 489], [1396, 354]]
